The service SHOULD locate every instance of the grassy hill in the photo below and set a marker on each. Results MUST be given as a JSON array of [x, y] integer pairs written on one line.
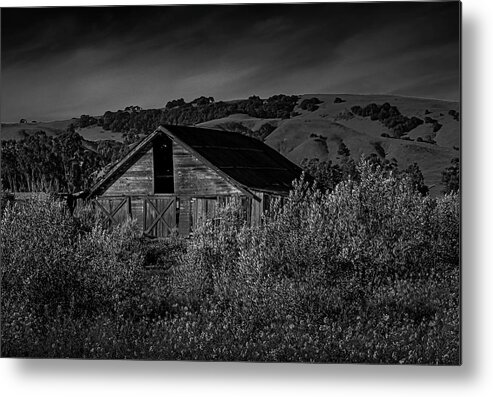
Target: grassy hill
[[318, 133], [19, 131], [22, 130]]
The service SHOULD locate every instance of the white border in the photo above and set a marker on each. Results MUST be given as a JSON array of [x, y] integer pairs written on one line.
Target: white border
[[85, 378]]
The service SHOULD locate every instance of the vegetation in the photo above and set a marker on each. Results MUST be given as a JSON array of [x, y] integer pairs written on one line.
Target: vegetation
[[367, 272], [451, 177], [310, 104], [390, 117], [328, 174], [197, 111], [435, 123], [63, 163], [454, 114]]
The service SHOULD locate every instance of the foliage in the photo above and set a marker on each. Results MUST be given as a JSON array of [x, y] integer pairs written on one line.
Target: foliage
[[436, 125], [175, 103], [199, 110], [451, 177], [328, 174], [390, 117], [310, 104], [367, 272], [63, 163], [454, 114], [265, 130]]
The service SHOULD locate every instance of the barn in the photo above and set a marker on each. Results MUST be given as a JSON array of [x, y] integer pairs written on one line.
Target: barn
[[176, 177]]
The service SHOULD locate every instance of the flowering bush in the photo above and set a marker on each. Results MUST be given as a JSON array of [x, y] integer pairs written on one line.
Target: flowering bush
[[366, 273]]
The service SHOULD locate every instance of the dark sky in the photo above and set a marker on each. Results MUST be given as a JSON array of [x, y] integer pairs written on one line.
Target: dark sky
[[63, 62]]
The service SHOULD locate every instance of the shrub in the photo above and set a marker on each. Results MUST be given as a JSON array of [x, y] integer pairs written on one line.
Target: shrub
[[389, 116], [451, 177], [310, 104], [49, 263], [454, 114], [367, 272]]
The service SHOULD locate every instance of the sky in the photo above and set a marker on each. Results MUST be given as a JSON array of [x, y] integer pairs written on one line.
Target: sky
[[59, 63]]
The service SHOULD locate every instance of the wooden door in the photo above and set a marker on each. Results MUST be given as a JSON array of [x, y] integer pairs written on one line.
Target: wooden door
[[159, 216], [113, 210]]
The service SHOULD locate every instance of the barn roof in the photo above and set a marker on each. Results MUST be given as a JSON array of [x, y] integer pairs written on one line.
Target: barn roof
[[244, 161]]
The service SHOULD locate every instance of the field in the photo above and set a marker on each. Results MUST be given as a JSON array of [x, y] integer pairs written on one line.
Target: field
[[367, 273]]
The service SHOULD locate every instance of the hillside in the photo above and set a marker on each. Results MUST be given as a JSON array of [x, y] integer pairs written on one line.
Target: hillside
[[424, 131], [19, 131], [22, 130], [318, 133]]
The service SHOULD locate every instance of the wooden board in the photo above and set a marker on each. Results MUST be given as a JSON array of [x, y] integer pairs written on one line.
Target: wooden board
[[137, 180], [256, 209], [194, 178], [185, 216]]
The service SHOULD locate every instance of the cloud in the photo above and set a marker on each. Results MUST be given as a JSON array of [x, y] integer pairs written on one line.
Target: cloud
[[60, 63]]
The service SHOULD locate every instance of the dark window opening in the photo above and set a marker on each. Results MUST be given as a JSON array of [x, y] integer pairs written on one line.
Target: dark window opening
[[163, 166]]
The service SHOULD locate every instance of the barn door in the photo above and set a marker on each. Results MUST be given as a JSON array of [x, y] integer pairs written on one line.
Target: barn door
[[113, 210], [159, 216]]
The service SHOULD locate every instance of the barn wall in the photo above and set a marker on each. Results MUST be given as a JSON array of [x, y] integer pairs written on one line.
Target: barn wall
[[193, 178], [138, 180]]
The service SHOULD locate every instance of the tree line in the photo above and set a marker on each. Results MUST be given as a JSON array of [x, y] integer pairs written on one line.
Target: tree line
[[135, 120], [63, 164]]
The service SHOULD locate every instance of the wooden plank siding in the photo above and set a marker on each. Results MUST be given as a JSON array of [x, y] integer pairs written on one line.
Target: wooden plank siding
[[194, 178], [202, 209], [137, 180], [185, 216], [137, 211]]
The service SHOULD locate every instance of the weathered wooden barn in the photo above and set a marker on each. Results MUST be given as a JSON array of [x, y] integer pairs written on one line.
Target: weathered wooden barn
[[177, 176]]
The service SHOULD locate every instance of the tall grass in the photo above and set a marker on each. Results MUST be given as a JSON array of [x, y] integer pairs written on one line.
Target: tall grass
[[367, 273]]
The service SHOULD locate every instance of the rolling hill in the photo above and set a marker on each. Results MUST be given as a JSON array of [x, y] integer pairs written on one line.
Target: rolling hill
[[318, 133]]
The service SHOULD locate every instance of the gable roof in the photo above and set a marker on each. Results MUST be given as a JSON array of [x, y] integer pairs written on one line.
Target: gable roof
[[244, 161]]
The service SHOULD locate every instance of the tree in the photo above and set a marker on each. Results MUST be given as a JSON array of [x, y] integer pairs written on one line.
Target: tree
[[451, 177], [416, 179], [343, 149], [326, 174], [175, 103], [265, 130]]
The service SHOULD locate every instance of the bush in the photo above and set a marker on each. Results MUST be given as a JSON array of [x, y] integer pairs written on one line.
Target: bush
[[389, 116], [454, 114], [310, 104], [368, 272], [49, 264], [451, 177]]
